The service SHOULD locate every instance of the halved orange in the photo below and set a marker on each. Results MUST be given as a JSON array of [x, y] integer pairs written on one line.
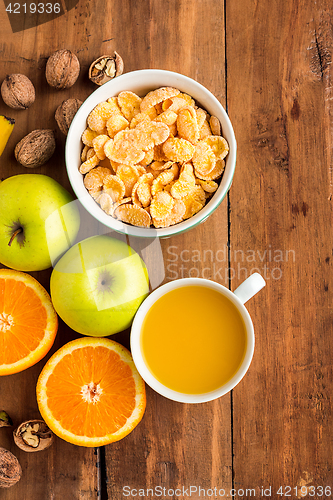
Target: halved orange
[[28, 321], [90, 392]]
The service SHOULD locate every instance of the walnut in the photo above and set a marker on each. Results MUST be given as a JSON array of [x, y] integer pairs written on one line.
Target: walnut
[[106, 68], [18, 91], [36, 148], [33, 435], [62, 69], [65, 114], [5, 420], [10, 469]]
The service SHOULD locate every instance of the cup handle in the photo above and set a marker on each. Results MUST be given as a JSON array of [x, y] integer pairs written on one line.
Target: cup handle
[[252, 285]]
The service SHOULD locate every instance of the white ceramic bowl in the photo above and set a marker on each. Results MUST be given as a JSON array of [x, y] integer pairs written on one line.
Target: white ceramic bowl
[[141, 82]]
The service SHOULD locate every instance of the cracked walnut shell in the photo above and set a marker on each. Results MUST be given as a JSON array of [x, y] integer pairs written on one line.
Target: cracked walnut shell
[[62, 69], [106, 68], [33, 435], [10, 469], [5, 420], [36, 148], [65, 114], [17, 91]]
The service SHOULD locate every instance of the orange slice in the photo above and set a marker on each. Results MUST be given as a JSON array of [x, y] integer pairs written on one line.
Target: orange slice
[[28, 321], [90, 392]]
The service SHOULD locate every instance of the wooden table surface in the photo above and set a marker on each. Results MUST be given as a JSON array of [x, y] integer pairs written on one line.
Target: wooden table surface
[[269, 64]]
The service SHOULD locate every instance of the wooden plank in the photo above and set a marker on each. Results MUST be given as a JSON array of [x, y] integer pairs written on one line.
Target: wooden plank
[[63, 471], [280, 100], [177, 445]]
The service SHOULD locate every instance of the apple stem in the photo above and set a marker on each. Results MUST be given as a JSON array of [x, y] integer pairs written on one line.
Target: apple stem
[[18, 231]]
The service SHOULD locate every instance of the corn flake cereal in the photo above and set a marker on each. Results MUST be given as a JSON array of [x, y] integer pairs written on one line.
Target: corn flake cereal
[[134, 196], [147, 177], [215, 173], [161, 165], [187, 124], [98, 145], [176, 215], [90, 153], [208, 186], [92, 181], [148, 158], [194, 201], [159, 154], [174, 104], [129, 176], [116, 123], [189, 100], [95, 178], [186, 174], [84, 153], [96, 194], [204, 159], [168, 117], [218, 144], [215, 125], [89, 164], [114, 103], [123, 149], [106, 203], [115, 187], [148, 135], [98, 117], [129, 104], [201, 117], [205, 130], [140, 117], [161, 205], [144, 194], [152, 161], [106, 163], [173, 129], [88, 136], [162, 180], [131, 214], [156, 96], [121, 202], [178, 150]]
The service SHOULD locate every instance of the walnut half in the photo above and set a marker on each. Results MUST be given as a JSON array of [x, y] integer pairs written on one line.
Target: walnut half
[[5, 420], [106, 68], [33, 435]]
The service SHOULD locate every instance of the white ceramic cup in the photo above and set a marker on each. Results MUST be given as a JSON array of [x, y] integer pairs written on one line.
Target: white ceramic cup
[[252, 285]]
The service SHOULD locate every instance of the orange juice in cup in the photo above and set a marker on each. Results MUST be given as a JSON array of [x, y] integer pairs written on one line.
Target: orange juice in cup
[[199, 334]]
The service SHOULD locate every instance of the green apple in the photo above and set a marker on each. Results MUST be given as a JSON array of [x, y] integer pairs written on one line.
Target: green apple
[[39, 221], [98, 285]]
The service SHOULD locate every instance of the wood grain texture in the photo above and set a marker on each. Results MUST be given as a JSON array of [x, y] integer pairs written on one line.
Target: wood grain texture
[[274, 429], [178, 445], [281, 204], [175, 445], [63, 471]]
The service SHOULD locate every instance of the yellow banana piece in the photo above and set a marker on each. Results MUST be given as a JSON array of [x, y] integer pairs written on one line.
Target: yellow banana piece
[[6, 128]]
